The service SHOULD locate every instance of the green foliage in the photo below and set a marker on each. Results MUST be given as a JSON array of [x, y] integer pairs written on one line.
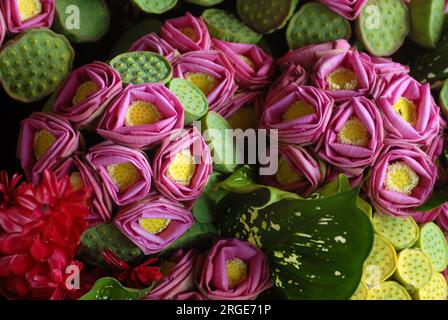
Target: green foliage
[[110, 289]]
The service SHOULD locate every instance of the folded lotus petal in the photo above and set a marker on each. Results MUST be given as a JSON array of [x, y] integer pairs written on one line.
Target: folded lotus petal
[[182, 166], [442, 219], [299, 113], [232, 270], [253, 67], [186, 33], [125, 172], [83, 175], [349, 9], [298, 171], [191, 295], [153, 223], [401, 179], [18, 19], [141, 116], [410, 114], [179, 277], [2, 28], [354, 137], [436, 146], [428, 216], [292, 74], [211, 71], [154, 43], [44, 139], [309, 55], [239, 100], [346, 74], [86, 92]]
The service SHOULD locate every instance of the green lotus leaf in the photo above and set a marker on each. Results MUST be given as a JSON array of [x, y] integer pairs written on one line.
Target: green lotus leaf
[[111, 289]]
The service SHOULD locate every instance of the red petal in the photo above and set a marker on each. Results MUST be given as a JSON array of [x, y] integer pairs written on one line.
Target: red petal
[[5, 266], [15, 244], [41, 250], [22, 263], [59, 259]]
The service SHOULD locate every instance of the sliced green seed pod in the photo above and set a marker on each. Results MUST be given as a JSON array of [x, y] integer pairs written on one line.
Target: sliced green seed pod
[[360, 293], [443, 98], [192, 99], [433, 243], [381, 263], [93, 15], [155, 6], [225, 26], [427, 17], [266, 16], [402, 233], [142, 67], [382, 26], [414, 269], [107, 237], [205, 3], [436, 289], [34, 64], [217, 134], [389, 290], [314, 23]]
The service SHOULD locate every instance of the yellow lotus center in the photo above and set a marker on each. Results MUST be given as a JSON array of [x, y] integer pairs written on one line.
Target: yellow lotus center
[[297, 110], [167, 267], [248, 61], [154, 225], [142, 113], [243, 119], [206, 83], [123, 175], [181, 170], [342, 79], [84, 91], [285, 174], [189, 32], [43, 140], [29, 9], [354, 133], [76, 181], [407, 110], [236, 272], [401, 178]]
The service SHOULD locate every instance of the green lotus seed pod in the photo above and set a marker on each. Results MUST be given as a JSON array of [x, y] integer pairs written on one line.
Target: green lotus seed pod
[[155, 6], [139, 67], [81, 20], [382, 26], [381, 263], [433, 243], [266, 16], [414, 269], [400, 232], [389, 290], [225, 26], [192, 99], [315, 23], [443, 98], [33, 64], [427, 17], [205, 3], [436, 289], [360, 293], [219, 137]]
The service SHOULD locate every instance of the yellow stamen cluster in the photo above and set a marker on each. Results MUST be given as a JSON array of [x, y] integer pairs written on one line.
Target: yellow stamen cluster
[[297, 110], [189, 32], [84, 91], [182, 169], [142, 113], [43, 140], [29, 9], [285, 174], [401, 178], [407, 110], [154, 225], [124, 175], [236, 272], [205, 82], [76, 180], [354, 133], [342, 79], [248, 61]]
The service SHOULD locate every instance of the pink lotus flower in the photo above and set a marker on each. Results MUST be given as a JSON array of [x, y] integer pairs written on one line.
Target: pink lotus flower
[[238, 101], [442, 219], [211, 72], [141, 116], [332, 173], [19, 17], [82, 175], [402, 178], [192, 295], [386, 70], [409, 112], [153, 223], [298, 171], [299, 113], [346, 74], [308, 56], [125, 172], [152, 42], [428, 216], [232, 270], [354, 137], [349, 9], [292, 74], [86, 92], [2, 28], [179, 279], [44, 140], [182, 166], [437, 145], [186, 33], [253, 67]]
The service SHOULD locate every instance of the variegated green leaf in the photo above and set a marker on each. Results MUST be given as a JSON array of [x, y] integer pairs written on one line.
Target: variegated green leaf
[[111, 289]]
